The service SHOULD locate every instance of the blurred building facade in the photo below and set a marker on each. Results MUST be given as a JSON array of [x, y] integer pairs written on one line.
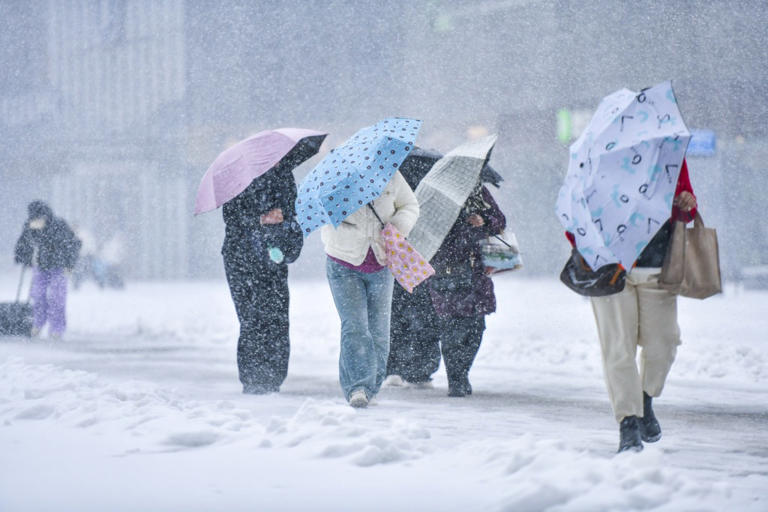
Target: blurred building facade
[[115, 108]]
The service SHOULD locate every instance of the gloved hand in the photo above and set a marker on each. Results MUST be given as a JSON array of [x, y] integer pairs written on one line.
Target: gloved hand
[[275, 254]]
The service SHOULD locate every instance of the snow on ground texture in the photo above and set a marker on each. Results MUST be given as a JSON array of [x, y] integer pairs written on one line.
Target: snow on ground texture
[[139, 408]]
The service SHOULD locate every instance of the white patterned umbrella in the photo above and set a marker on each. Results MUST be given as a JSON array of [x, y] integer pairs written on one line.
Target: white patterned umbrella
[[443, 192], [622, 175]]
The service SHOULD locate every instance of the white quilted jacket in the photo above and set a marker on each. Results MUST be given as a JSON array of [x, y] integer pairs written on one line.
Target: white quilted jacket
[[351, 239]]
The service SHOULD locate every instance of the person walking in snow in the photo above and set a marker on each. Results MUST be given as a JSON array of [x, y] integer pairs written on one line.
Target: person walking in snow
[[645, 315], [362, 287], [262, 237], [49, 245], [461, 291]]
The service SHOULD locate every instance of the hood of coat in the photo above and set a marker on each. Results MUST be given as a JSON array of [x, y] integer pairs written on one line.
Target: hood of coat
[[40, 210]]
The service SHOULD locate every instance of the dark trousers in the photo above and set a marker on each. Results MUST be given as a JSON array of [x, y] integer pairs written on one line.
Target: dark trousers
[[460, 338], [261, 300], [414, 349]]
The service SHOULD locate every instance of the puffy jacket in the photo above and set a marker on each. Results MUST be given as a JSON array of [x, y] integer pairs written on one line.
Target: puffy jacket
[[351, 239], [246, 239], [53, 247], [460, 287]]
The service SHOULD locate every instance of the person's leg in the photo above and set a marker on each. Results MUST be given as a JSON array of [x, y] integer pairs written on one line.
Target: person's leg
[[252, 358], [38, 293], [460, 340], [617, 326], [659, 335], [414, 350], [450, 343], [379, 296], [57, 302], [400, 334], [357, 358], [425, 348], [267, 332], [659, 338], [278, 328], [474, 339]]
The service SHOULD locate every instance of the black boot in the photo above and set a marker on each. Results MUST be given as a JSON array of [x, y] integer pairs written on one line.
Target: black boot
[[650, 430], [459, 386], [629, 432]]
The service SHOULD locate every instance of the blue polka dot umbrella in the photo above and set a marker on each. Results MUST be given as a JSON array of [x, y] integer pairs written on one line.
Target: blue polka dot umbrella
[[355, 173]]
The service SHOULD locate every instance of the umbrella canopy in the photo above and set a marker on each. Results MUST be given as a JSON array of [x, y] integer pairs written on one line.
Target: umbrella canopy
[[622, 175], [235, 168], [417, 164], [355, 173], [419, 161], [444, 190]]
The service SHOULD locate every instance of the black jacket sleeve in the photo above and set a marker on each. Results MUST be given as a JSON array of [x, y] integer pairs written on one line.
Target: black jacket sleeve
[[24, 247]]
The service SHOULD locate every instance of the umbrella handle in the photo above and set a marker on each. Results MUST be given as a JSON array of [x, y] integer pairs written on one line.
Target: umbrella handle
[[497, 237], [376, 214], [21, 281]]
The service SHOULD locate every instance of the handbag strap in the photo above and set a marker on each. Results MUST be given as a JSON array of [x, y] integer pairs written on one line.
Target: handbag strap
[[698, 222], [497, 237], [376, 214]]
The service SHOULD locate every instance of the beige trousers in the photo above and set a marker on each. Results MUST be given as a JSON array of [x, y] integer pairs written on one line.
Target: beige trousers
[[642, 314]]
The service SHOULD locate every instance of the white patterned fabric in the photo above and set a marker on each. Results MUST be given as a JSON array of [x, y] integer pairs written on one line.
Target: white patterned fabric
[[622, 175]]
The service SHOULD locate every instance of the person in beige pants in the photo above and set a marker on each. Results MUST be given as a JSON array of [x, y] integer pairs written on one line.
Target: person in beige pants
[[645, 315]]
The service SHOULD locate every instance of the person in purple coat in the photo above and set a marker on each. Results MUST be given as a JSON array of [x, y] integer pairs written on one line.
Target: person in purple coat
[[49, 245], [461, 291]]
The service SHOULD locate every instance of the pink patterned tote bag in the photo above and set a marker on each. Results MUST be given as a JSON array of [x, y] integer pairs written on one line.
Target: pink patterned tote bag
[[405, 263]]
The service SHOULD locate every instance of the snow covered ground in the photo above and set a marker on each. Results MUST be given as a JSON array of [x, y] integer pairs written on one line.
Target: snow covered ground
[[140, 409]]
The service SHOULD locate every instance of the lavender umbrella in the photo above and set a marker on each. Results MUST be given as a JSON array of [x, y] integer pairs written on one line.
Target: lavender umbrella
[[235, 168]]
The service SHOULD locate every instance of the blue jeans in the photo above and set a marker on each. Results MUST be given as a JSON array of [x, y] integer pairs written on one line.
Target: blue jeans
[[364, 302]]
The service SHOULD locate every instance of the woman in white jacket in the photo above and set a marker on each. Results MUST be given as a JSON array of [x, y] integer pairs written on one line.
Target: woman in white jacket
[[362, 287]]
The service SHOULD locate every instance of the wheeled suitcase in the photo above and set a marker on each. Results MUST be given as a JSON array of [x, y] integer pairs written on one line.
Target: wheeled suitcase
[[16, 317]]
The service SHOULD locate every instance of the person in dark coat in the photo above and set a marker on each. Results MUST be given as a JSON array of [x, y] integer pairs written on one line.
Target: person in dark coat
[[414, 346], [49, 245], [461, 291], [414, 350], [262, 237]]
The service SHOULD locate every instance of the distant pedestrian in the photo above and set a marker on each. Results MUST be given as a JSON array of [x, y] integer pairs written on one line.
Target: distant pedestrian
[[49, 246]]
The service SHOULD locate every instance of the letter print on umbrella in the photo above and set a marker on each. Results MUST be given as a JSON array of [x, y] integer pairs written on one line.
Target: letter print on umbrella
[[622, 175]]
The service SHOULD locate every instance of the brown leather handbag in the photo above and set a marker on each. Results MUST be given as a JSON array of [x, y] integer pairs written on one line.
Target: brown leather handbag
[[692, 263]]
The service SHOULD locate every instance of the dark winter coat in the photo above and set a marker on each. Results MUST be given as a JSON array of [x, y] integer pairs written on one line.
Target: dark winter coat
[[460, 287], [246, 239], [53, 247], [259, 286]]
